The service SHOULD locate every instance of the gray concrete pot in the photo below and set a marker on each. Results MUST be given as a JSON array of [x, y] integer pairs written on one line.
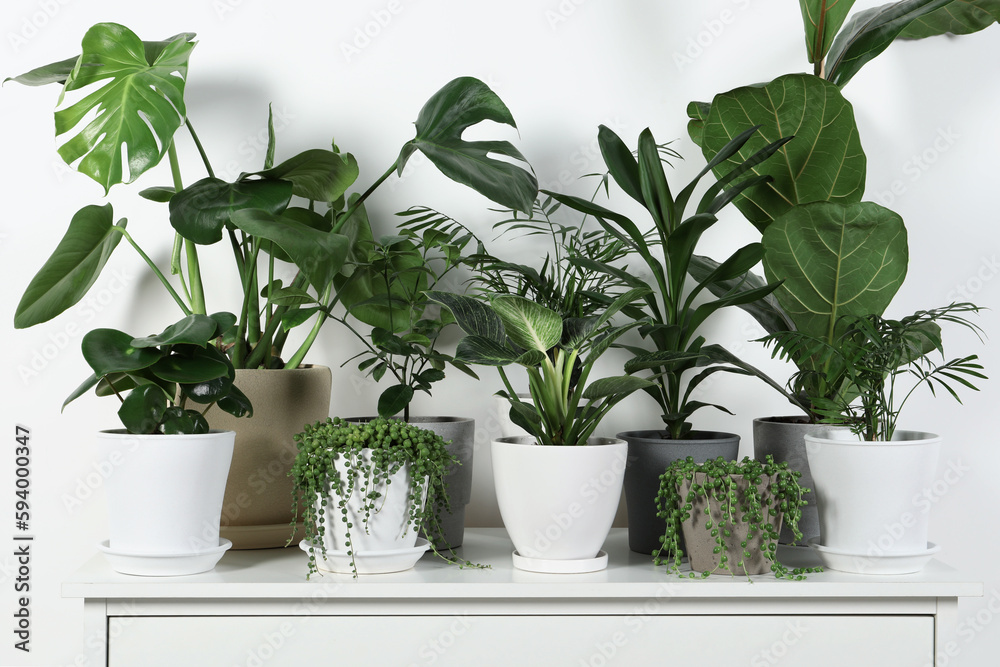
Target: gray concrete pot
[[784, 439], [649, 454]]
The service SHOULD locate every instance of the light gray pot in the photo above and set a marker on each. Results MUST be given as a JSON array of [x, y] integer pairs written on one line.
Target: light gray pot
[[460, 433], [784, 439], [649, 454]]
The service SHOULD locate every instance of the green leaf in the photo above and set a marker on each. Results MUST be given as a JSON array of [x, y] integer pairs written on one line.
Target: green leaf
[[236, 403], [394, 400], [317, 174], [824, 162], [177, 421], [56, 72], [484, 352], [959, 17], [138, 108], [208, 391], [835, 260], [698, 113], [84, 387], [143, 408], [460, 104], [529, 325], [112, 351], [160, 194], [472, 316], [870, 32], [621, 163], [383, 293], [767, 311], [71, 270], [193, 329], [319, 255], [201, 365], [617, 387], [297, 317], [822, 19], [289, 296], [200, 211]]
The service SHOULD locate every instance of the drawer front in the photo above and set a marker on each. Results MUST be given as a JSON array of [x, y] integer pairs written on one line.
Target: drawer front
[[574, 641]]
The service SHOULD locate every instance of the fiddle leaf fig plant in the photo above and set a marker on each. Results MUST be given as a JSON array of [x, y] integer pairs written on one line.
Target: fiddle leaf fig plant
[[165, 375], [558, 355], [121, 106]]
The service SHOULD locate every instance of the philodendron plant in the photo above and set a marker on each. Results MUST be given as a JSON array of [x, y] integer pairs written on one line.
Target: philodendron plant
[[161, 379], [121, 106], [835, 255], [671, 309], [558, 355]]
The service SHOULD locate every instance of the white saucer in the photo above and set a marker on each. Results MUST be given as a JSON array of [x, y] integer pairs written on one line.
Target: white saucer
[[163, 565], [371, 562], [555, 566], [909, 563]]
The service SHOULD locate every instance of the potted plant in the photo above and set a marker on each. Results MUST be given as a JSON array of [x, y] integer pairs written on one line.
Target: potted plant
[[557, 497], [675, 351], [868, 522], [165, 496], [369, 488], [816, 194], [293, 212], [730, 514]]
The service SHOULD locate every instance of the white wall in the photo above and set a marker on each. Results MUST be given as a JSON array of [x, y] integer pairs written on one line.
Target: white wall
[[562, 68]]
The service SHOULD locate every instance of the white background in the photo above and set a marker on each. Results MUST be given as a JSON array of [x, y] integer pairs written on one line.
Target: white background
[[926, 113]]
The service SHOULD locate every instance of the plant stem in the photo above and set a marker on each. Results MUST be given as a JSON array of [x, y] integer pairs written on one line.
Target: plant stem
[[360, 200], [155, 270], [201, 149]]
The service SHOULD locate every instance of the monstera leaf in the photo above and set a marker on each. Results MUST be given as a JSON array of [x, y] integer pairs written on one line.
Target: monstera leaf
[[959, 17], [870, 32], [822, 19], [835, 260], [824, 162], [316, 174], [200, 211], [460, 104], [138, 101]]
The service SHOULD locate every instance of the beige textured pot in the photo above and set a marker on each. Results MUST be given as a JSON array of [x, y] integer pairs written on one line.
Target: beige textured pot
[[257, 510]]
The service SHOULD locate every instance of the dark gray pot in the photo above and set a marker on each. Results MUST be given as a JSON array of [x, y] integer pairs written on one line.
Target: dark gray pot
[[460, 433], [649, 454], [784, 439]]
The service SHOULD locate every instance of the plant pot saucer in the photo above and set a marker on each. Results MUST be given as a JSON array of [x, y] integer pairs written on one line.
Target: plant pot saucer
[[865, 563], [371, 562], [561, 566], [163, 565]]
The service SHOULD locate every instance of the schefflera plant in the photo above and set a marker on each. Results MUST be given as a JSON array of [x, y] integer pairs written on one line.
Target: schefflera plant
[[558, 355]]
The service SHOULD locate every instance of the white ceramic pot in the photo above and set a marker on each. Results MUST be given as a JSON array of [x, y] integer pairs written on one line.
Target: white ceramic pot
[[165, 492], [868, 492], [388, 528], [558, 503]]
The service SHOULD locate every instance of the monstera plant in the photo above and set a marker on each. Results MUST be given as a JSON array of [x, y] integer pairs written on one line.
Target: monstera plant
[[836, 255]]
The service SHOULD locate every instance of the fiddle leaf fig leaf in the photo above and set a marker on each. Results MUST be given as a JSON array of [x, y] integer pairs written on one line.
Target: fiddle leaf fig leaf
[[822, 19], [316, 174], [71, 270], [835, 261], [959, 17], [200, 211], [460, 104], [139, 103], [529, 325], [824, 162], [870, 32], [112, 351]]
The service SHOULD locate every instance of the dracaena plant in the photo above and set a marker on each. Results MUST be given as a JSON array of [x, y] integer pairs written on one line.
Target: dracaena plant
[[870, 354], [836, 256], [558, 355], [294, 212], [167, 383], [665, 247]]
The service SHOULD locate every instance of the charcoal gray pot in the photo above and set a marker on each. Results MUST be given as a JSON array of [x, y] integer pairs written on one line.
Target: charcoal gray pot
[[784, 439], [649, 454], [460, 433]]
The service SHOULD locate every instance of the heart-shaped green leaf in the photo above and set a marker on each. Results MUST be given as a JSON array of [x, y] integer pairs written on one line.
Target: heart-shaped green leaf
[[958, 17], [316, 174], [824, 162], [71, 270], [460, 104], [200, 211], [193, 329], [112, 351], [822, 19], [138, 108], [835, 260], [870, 32], [529, 325]]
